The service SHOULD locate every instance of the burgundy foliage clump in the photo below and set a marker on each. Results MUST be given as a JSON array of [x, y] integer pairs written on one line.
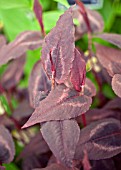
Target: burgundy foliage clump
[[72, 136]]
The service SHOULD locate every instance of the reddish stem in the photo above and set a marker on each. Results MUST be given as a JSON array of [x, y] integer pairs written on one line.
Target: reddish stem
[[82, 10], [1, 89], [52, 69], [84, 119]]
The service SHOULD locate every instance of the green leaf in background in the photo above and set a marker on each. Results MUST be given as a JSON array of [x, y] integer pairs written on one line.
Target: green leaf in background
[[5, 104], [8, 4], [45, 4], [17, 20], [32, 58], [63, 2], [11, 166], [50, 18], [108, 92]]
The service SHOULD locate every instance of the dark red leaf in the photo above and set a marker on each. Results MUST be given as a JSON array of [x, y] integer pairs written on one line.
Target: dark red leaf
[[52, 160], [116, 84], [23, 111], [67, 104], [13, 74], [89, 88], [114, 104], [6, 121], [39, 85], [110, 59], [2, 168], [62, 138], [54, 167], [31, 162], [28, 40], [7, 150], [95, 19], [37, 145], [111, 110], [58, 48], [101, 140], [105, 164], [78, 71], [112, 38], [38, 13]]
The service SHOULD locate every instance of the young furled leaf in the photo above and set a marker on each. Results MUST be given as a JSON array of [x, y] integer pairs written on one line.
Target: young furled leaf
[[67, 104], [112, 38], [58, 49], [78, 71], [101, 140], [62, 138], [7, 150], [39, 85], [38, 13], [13, 73], [28, 40]]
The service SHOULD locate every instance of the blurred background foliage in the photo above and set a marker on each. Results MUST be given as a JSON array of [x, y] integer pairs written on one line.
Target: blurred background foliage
[[17, 16]]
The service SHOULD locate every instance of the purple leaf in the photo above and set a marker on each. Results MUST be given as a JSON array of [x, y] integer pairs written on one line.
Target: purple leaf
[[109, 58], [58, 48], [23, 111], [116, 84], [31, 162], [105, 164], [62, 138], [2, 168], [52, 160], [13, 74], [95, 19], [7, 150], [101, 140], [54, 167], [6, 121], [113, 104], [111, 110], [112, 38], [89, 88], [36, 145], [39, 85], [78, 71], [38, 13], [28, 40], [67, 104]]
